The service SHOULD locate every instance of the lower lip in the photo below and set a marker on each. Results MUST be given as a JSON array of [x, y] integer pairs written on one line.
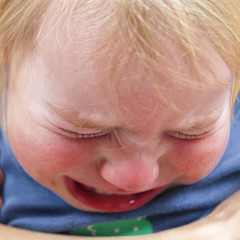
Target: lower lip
[[109, 203]]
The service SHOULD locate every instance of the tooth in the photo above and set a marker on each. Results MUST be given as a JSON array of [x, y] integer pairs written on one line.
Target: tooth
[[102, 192]]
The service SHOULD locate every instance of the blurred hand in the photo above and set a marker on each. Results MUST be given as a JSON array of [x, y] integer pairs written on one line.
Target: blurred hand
[[221, 224], [226, 217]]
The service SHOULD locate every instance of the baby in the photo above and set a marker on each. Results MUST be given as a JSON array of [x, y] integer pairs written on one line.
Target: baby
[[116, 110]]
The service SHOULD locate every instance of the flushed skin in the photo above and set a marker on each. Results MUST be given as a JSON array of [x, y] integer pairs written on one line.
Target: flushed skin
[[159, 144]]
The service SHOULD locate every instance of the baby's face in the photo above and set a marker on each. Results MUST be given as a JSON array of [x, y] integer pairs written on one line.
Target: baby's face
[[111, 151]]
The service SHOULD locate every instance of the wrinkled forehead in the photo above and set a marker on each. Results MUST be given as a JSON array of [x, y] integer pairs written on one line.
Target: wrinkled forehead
[[77, 50], [92, 39], [87, 52], [78, 67]]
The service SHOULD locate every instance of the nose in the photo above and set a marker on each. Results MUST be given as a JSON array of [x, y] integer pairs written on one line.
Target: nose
[[130, 174]]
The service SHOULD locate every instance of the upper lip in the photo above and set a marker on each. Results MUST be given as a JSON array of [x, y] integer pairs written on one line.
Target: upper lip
[[116, 190]]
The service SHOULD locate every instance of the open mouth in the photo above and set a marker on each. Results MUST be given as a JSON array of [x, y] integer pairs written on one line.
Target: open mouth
[[108, 202]]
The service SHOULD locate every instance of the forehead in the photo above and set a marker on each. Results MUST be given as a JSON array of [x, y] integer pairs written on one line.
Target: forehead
[[73, 63], [83, 46], [91, 37]]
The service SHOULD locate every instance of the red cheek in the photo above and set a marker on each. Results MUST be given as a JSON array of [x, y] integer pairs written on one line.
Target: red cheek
[[45, 156], [197, 159]]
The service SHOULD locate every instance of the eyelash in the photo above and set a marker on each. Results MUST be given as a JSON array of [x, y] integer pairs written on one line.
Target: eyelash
[[85, 135], [179, 135], [185, 136]]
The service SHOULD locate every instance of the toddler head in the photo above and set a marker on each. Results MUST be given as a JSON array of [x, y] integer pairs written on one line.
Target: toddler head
[[112, 102]]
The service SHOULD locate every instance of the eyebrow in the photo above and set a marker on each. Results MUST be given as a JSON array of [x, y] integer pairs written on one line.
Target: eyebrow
[[202, 124], [71, 117]]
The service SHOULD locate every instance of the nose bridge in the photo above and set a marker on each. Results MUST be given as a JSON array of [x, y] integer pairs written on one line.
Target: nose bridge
[[138, 145], [131, 170], [140, 140]]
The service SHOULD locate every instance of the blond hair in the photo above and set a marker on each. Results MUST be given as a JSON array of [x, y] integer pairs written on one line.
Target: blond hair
[[143, 26]]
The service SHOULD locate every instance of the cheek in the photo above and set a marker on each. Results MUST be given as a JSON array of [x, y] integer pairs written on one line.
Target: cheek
[[44, 157], [197, 159]]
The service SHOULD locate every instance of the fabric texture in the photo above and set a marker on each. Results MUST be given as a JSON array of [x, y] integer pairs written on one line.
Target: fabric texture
[[29, 205]]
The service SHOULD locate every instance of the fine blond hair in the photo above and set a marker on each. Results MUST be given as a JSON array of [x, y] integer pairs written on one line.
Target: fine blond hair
[[143, 26]]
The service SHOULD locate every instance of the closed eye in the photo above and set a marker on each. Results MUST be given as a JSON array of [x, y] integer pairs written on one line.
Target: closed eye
[[186, 136], [84, 135]]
